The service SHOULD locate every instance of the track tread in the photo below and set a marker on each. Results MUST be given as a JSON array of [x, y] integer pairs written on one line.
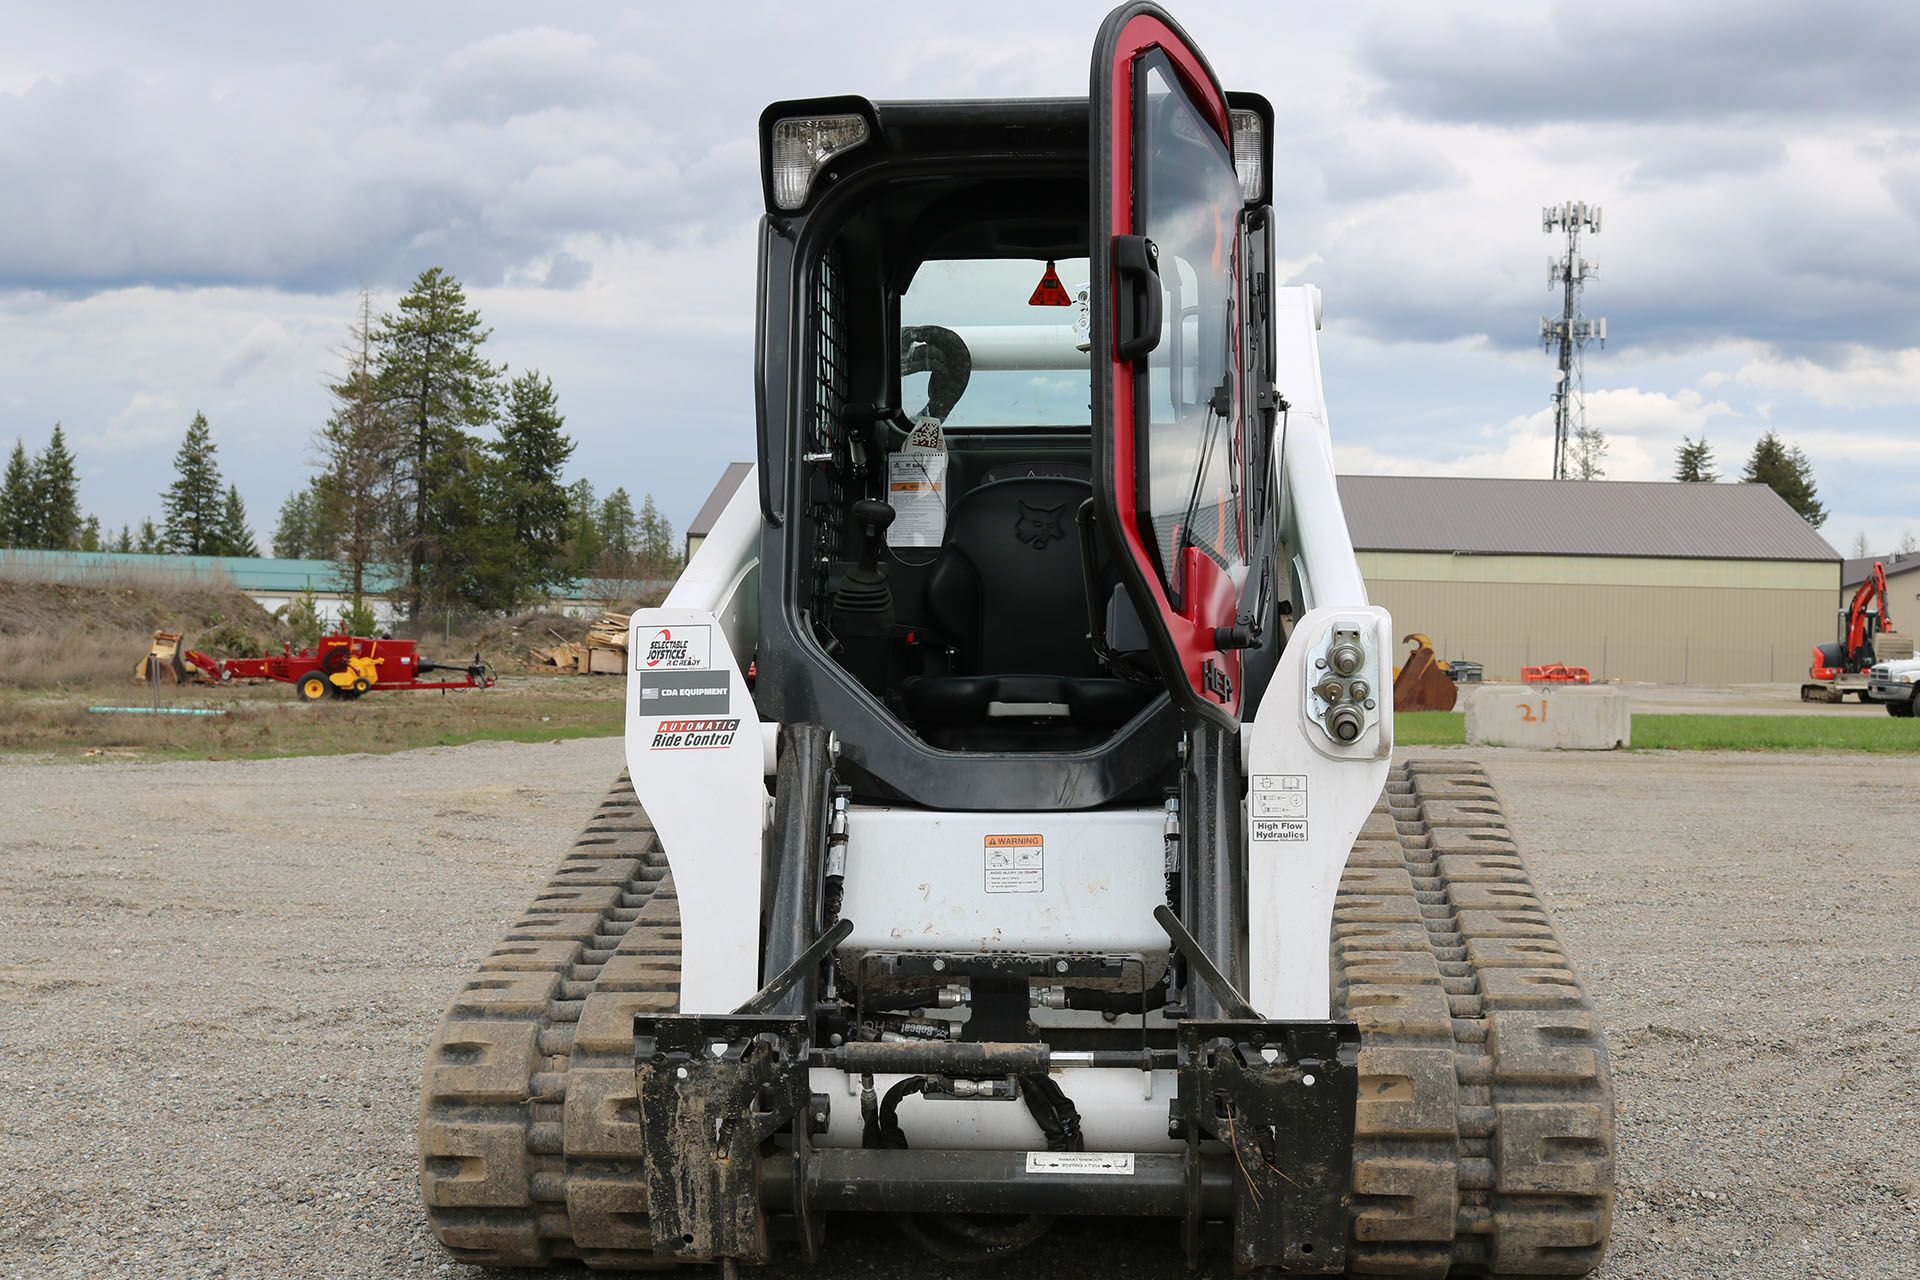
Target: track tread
[[1484, 1131], [529, 1150]]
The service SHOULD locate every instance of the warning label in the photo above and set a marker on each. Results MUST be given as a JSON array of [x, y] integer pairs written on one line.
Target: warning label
[[675, 648], [1016, 864], [1277, 806], [1109, 1162], [693, 735]]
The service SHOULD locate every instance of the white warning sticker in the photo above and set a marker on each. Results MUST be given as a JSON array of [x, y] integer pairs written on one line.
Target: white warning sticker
[[1016, 864], [1277, 806], [1118, 1163]]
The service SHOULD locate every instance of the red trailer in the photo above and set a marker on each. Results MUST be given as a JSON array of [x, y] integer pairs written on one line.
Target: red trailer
[[346, 667]]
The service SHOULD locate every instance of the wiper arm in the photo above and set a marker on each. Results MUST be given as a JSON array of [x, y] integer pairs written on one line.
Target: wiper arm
[[1218, 405]]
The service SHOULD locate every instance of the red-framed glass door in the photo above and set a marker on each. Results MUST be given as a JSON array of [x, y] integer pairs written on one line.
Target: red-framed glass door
[[1168, 426]]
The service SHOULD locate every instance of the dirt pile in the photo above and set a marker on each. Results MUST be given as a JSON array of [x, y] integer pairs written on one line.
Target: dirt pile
[[62, 634]]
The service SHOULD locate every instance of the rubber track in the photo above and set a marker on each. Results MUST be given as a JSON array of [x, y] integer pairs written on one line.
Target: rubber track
[[529, 1147], [1484, 1133]]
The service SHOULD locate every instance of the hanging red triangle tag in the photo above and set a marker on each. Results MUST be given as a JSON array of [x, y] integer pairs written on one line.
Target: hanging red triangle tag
[[1050, 292]]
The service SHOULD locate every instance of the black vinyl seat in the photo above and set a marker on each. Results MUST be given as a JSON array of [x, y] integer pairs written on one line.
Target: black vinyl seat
[[1008, 593]]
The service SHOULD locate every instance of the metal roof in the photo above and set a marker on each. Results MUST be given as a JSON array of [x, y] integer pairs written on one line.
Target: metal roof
[[709, 513], [254, 575], [1657, 519], [1854, 572]]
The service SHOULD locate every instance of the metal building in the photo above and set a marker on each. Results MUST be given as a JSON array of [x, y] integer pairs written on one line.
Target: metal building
[[1663, 582]]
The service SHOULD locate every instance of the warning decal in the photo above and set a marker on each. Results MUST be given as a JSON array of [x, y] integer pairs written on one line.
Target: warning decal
[[1107, 1162], [1016, 864], [1277, 806], [1050, 292]]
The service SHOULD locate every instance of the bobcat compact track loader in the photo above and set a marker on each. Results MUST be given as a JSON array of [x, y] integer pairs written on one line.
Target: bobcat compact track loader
[[1009, 828]]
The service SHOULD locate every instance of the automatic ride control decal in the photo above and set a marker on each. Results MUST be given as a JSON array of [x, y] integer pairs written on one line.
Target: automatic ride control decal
[[693, 735], [1277, 806]]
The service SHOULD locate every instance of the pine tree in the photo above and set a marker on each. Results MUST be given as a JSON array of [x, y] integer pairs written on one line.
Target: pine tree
[[123, 541], [533, 450], [1589, 451], [19, 514], [56, 495], [619, 535], [356, 499], [293, 532], [1693, 461], [583, 530], [433, 380], [1788, 473], [236, 539], [194, 503], [657, 553], [149, 542], [90, 535]]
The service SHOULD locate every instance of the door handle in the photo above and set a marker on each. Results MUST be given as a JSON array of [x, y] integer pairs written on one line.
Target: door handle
[[1136, 288]]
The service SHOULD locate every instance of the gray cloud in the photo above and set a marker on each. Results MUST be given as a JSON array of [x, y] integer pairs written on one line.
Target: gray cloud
[[1520, 65]]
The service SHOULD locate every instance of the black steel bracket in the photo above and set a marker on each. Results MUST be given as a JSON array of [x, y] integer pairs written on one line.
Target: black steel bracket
[[712, 1091], [1281, 1097]]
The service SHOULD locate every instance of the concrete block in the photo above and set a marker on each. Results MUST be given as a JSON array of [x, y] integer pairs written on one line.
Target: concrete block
[[1552, 717]]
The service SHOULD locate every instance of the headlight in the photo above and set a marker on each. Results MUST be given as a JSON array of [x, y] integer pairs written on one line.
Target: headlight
[[802, 147], [1901, 679]]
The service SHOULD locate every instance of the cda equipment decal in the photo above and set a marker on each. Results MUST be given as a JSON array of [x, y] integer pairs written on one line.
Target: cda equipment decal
[[677, 648], [694, 735]]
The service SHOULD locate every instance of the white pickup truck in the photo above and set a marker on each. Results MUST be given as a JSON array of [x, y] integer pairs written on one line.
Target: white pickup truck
[[1897, 684]]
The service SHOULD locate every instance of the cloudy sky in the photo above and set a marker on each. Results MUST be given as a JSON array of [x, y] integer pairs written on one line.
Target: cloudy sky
[[191, 194]]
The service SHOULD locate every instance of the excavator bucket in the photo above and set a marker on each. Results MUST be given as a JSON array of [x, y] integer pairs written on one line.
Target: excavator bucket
[[1420, 684], [162, 660]]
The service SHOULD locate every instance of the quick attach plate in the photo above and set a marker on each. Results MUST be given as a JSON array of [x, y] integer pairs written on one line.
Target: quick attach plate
[[711, 1091], [1281, 1096]]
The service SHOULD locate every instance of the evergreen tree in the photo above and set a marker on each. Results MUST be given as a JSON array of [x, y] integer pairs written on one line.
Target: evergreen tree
[[1693, 461], [194, 503], [356, 500], [583, 531], [1588, 452], [433, 380], [659, 557], [619, 535], [236, 539], [19, 514], [90, 535], [533, 449], [477, 563], [293, 533], [1788, 473], [149, 538], [123, 541], [56, 495]]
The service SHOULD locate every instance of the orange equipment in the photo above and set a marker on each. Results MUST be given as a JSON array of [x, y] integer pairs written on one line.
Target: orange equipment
[[1422, 684], [1556, 673]]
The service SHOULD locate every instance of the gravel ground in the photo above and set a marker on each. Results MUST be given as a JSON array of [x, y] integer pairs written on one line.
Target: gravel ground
[[217, 981]]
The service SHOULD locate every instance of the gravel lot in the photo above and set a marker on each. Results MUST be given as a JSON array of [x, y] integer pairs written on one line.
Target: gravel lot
[[217, 981]]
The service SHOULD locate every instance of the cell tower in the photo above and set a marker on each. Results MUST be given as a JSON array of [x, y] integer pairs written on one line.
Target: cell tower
[[1572, 331]]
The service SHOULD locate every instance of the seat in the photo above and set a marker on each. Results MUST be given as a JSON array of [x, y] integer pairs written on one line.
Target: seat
[[1008, 593]]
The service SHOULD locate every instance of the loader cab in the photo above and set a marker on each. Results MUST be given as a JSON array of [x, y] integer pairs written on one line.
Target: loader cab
[[1013, 428]]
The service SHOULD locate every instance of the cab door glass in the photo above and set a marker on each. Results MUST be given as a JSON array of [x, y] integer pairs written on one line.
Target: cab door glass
[[1189, 202]]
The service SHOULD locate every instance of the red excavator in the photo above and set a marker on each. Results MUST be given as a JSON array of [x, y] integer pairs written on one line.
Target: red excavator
[[1840, 667]]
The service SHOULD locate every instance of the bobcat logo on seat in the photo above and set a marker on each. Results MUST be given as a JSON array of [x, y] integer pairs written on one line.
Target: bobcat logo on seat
[[1038, 526]]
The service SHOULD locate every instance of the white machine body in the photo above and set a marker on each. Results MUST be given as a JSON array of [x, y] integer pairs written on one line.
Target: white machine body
[[1066, 882]]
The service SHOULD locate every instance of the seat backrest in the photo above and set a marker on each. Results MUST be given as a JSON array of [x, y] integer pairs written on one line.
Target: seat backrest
[[1007, 588]]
